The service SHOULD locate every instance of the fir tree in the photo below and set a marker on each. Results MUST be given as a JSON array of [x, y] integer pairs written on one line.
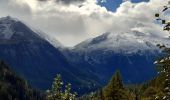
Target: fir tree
[[115, 90]]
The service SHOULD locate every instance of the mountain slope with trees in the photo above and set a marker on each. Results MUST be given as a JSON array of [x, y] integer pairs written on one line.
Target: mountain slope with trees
[[12, 87]]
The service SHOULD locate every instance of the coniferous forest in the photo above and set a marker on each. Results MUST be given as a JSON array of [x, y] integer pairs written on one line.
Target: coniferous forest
[[13, 87]]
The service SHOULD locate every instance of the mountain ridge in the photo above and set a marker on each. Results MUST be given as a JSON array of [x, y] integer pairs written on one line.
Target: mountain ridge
[[88, 66], [133, 40], [133, 53], [37, 60]]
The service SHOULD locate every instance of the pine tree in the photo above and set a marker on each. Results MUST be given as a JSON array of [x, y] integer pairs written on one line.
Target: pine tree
[[115, 90]]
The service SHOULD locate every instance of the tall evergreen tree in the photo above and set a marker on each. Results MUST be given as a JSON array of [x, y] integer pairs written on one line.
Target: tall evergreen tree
[[115, 90]]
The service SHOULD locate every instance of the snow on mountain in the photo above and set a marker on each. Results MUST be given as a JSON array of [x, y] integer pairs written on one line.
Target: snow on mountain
[[133, 53], [127, 42], [6, 31], [50, 39], [13, 29], [36, 57]]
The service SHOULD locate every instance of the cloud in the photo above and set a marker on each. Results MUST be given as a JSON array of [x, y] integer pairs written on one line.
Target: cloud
[[103, 1], [66, 2], [72, 21], [125, 0]]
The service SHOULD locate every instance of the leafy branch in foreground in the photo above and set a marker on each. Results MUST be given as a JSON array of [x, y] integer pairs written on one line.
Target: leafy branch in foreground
[[164, 63], [164, 22]]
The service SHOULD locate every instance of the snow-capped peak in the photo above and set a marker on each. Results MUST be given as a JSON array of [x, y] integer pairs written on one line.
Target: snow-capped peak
[[13, 29], [6, 23], [127, 42], [8, 19]]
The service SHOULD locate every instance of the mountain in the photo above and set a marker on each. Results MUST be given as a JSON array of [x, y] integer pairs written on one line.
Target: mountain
[[12, 87], [125, 42], [34, 57], [133, 53], [87, 66]]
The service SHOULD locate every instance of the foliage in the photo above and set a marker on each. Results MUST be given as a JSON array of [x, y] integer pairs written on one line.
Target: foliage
[[115, 90], [164, 22], [164, 63], [12, 87], [56, 92]]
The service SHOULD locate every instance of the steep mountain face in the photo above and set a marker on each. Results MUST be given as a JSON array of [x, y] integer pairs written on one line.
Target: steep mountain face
[[133, 53], [32, 56]]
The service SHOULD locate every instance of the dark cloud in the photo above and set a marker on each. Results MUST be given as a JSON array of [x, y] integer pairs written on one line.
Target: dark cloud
[[66, 2], [69, 1]]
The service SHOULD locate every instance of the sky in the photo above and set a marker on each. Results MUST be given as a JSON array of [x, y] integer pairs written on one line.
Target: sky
[[112, 5], [73, 21]]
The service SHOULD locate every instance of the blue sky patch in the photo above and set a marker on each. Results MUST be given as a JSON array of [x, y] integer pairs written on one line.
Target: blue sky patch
[[112, 5]]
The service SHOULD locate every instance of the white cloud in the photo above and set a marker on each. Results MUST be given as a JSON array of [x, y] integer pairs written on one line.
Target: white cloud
[[76, 22], [125, 0], [103, 1]]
